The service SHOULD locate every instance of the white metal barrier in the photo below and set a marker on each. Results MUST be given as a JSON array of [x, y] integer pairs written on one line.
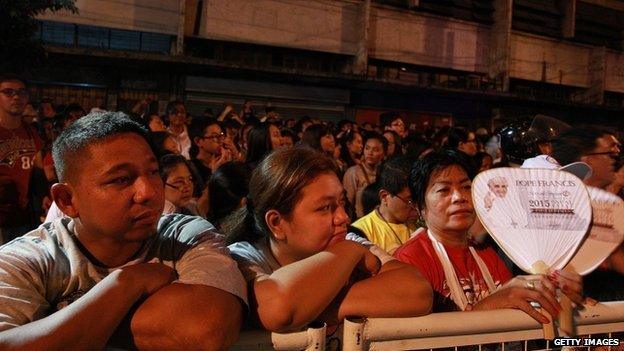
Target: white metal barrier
[[469, 328], [436, 330]]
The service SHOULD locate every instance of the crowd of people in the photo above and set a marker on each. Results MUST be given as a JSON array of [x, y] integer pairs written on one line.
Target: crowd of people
[[174, 231]]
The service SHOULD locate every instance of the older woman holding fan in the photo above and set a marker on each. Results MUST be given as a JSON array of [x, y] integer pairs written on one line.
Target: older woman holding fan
[[464, 275]]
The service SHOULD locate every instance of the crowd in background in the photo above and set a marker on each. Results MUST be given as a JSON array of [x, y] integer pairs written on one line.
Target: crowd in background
[[247, 172], [239, 139]]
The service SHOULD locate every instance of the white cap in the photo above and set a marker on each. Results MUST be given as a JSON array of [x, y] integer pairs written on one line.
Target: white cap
[[579, 169]]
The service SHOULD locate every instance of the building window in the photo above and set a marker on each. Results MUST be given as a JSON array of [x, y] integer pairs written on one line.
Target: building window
[[155, 42], [58, 33], [125, 40], [67, 34], [93, 37]]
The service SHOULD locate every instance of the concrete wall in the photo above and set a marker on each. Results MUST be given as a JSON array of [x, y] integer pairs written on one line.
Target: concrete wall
[[614, 75], [159, 16], [539, 58], [329, 26], [428, 40], [332, 26], [565, 63]]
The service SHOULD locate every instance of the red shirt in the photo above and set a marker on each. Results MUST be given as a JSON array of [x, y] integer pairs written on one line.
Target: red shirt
[[419, 252], [18, 148]]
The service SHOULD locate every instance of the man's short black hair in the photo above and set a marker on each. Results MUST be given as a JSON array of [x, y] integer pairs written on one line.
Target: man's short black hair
[[88, 130], [394, 175], [386, 118], [370, 197], [456, 135], [423, 169], [344, 122], [10, 77], [172, 107], [374, 135], [167, 163], [73, 107], [575, 143], [288, 133], [197, 129], [198, 126]]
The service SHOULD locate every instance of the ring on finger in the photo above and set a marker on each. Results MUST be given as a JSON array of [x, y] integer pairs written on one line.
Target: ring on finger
[[530, 285]]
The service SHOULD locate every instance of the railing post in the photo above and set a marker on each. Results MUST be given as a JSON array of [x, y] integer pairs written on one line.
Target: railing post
[[312, 339], [316, 338], [353, 335]]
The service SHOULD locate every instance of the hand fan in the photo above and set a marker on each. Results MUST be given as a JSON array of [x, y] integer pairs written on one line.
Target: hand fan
[[538, 217], [605, 234]]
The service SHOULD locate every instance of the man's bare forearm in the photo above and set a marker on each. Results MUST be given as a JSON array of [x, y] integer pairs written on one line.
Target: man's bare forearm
[[187, 316]]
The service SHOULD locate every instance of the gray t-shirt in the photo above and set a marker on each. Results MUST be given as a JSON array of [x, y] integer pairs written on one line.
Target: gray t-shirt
[[256, 260], [46, 269]]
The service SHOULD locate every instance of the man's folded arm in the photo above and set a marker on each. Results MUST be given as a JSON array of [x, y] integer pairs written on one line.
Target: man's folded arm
[[187, 316], [204, 308]]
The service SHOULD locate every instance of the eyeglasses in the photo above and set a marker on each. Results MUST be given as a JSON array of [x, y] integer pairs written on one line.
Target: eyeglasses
[[215, 137], [409, 203], [180, 184], [12, 92]]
